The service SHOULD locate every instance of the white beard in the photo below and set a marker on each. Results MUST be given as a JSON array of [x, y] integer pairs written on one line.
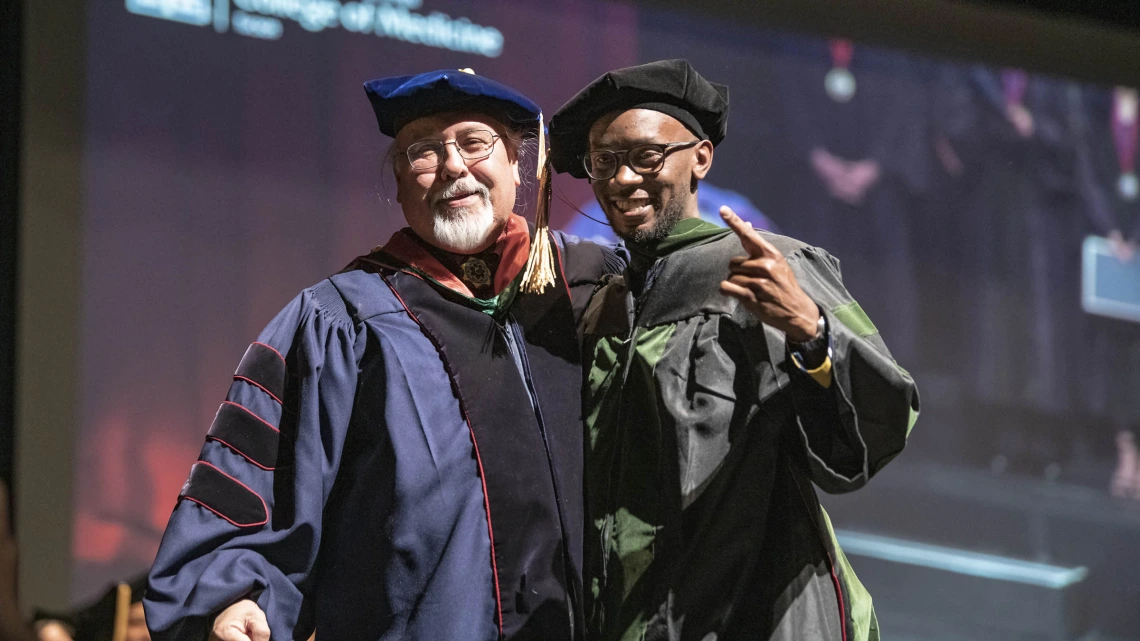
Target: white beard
[[465, 229]]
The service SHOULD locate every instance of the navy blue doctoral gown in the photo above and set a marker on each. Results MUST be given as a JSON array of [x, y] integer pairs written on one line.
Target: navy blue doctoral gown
[[392, 463]]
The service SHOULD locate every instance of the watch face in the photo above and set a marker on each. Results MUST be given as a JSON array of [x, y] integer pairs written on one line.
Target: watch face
[[820, 328]]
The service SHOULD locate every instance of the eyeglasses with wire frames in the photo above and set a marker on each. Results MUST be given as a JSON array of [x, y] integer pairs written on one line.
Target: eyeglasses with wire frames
[[475, 144], [642, 159]]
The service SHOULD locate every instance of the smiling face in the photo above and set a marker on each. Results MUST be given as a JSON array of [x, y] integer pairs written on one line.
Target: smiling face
[[644, 208], [460, 205]]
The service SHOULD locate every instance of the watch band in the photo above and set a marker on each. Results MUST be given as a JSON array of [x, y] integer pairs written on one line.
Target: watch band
[[820, 334], [813, 352]]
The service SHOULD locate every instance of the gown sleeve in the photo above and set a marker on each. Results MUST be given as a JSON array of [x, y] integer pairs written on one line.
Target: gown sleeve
[[247, 523], [850, 430]]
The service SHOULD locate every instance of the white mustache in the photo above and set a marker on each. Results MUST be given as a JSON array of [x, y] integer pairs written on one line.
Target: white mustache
[[470, 186]]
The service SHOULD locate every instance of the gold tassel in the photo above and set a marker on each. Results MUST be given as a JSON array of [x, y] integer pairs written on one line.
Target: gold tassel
[[122, 612], [539, 271]]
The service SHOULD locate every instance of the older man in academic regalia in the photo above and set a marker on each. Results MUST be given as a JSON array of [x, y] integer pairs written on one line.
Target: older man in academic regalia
[[399, 455]]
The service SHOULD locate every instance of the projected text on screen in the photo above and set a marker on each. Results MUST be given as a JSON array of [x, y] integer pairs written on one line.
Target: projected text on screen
[[398, 19]]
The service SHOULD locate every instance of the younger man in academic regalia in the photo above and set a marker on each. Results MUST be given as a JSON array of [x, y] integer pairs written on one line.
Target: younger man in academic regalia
[[399, 455], [709, 416]]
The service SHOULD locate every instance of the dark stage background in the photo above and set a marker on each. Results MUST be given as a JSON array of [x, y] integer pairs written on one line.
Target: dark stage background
[[230, 159]]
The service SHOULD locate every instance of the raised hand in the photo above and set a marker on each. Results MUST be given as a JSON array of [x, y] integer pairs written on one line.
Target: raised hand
[[242, 621], [766, 286]]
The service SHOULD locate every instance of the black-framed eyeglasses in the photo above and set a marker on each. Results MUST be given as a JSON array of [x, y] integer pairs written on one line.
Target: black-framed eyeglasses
[[476, 144], [642, 159]]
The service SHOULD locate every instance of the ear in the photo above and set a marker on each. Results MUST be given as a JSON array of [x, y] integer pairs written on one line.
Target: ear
[[704, 158], [512, 155]]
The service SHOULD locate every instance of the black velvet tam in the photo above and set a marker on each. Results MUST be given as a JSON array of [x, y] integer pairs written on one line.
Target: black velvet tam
[[671, 87]]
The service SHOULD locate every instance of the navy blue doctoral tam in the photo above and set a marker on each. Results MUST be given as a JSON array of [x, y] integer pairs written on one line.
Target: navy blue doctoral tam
[[399, 100]]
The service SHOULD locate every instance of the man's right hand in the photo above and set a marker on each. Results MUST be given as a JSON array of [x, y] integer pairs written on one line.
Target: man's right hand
[[242, 621]]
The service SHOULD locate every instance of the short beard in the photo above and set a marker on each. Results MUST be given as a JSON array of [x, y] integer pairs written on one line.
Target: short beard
[[667, 218], [466, 229]]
